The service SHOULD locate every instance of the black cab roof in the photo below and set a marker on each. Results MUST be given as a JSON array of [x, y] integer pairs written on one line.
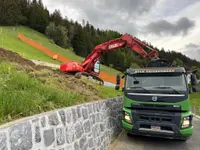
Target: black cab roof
[[156, 70]]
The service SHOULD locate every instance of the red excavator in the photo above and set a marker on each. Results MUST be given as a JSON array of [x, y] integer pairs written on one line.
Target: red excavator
[[87, 66]]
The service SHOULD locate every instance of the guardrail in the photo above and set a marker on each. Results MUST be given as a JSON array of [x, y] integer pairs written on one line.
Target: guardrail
[[196, 110]]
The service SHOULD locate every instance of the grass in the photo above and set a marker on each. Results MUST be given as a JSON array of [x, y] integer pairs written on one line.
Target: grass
[[195, 98], [24, 95], [104, 91], [9, 40]]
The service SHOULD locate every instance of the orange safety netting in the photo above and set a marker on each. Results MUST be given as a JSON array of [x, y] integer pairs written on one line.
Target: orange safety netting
[[103, 75]]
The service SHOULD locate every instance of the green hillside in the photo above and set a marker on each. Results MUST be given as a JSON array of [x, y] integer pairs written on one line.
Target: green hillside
[[27, 89], [9, 40]]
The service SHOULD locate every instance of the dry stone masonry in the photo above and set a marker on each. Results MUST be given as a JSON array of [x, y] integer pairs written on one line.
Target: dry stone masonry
[[90, 126]]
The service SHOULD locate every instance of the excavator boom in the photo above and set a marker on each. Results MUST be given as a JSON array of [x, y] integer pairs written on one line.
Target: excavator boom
[[124, 41]]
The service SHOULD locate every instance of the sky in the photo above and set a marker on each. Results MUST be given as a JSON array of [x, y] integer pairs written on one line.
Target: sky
[[171, 24]]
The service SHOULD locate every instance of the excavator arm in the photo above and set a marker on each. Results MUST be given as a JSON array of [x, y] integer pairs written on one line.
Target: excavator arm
[[124, 41]]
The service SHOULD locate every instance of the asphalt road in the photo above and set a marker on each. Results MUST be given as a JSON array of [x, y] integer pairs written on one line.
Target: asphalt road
[[123, 142]]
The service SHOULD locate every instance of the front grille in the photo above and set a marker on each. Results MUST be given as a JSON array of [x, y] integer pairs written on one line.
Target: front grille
[[155, 118]]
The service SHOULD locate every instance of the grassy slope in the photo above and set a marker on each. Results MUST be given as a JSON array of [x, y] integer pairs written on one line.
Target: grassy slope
[[8, 40], [195, 98], [24, 95]]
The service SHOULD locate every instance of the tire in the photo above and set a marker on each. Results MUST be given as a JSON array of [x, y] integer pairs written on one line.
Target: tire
[[184, 138], [129, 134]]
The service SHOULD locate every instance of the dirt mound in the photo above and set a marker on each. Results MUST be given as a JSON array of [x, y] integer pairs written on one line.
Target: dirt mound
[[16, 58]]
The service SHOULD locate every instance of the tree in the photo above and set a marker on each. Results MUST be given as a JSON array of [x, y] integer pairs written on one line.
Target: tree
[[178, 62], [58, 34], [57, 18], [39, 16], [25, 10], [10, 12]]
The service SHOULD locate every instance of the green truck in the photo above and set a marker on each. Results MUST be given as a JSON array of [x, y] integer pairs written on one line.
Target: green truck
[[157, 102]]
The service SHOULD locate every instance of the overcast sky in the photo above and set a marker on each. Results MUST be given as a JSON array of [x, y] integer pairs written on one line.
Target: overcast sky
[[172, 24]]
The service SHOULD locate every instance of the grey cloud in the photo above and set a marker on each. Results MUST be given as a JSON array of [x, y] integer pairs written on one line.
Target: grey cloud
[[110, 14], [163, 27], [193, 51], [191, 46]]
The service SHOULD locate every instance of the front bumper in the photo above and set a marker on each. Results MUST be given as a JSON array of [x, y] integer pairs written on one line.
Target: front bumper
[[174, 133]]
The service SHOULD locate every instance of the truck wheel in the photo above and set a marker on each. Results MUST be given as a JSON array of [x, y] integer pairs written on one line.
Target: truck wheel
[[129, 134]]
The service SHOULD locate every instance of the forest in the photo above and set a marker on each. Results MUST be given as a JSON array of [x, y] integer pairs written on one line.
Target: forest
[[82, 37]]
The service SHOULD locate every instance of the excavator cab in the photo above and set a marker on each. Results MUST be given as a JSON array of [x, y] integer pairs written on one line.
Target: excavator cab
[[97, 67]]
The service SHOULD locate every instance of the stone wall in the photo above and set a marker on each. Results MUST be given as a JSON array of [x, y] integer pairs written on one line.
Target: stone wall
[[90, 126]]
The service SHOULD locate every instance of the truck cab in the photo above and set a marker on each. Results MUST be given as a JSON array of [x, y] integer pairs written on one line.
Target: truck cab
[[156, 102]]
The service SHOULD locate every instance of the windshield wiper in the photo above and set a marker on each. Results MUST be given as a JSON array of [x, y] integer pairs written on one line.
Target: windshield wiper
[[167, 87], [135, 87]]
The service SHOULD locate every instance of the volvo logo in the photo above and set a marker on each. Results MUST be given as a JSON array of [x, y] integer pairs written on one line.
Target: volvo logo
[[154, 98]]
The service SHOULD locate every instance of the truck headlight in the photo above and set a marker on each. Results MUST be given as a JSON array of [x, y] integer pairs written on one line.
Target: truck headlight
[[127, 117], [187, 121]]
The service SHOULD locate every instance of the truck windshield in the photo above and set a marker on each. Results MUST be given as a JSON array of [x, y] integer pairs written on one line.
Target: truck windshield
[[157, 83]]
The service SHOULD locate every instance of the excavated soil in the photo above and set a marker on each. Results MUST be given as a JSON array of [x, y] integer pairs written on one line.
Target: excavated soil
[[48, 75], [16, 58]]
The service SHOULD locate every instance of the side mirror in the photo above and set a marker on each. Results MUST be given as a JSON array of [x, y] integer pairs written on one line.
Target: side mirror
[[117, 82], [193, 80]]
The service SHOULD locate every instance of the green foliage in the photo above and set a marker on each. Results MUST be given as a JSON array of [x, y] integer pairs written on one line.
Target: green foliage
[[104, 91], [58, 34], [9, 40], [22, 96], [11, 13], [57, 18], [134, 65], [39, 16], [178, 62]]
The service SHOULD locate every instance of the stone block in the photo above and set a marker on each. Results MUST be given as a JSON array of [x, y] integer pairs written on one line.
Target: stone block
[[63, 117], [82, 142], [3, 138], [79, 111], [60, 136], [37, 134], [78, 130], [85, 113], [69, 133], [87, 126], [53, 119], [49, 137], [21, 136], [69, 115], [43, 121], [74, 115], [76, 146]]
